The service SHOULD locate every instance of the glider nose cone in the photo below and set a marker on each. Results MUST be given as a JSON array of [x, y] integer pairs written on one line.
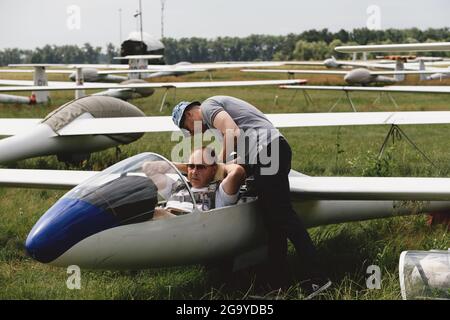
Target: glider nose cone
[[437, 76], [330, 63], [348, 78], [65, 224], [358, 76], [88, 210], [72, 76]]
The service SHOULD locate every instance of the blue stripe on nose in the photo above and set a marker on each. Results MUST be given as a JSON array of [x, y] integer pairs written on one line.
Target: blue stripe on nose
[[66, 223]]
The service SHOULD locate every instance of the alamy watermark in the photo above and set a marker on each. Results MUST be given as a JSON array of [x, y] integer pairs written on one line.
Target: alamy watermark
[[374, 279], [73, 21], [74, 280], [374, 17]]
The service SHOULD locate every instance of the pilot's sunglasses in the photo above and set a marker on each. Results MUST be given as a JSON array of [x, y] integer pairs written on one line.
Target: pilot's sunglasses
[[197, 166]]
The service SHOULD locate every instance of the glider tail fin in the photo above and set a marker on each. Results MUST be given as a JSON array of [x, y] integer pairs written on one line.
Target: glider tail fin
[[40, 79], [422, 68], [137, 64], [399, 66]]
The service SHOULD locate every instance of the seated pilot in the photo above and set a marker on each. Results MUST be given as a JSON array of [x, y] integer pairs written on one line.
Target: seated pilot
[[213, 185]]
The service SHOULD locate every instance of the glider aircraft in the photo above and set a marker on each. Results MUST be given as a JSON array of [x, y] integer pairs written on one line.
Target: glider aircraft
[[136, 70], [107, 220], [87, 73], [94, 123], [387, 90], [358, 76], [405, 47], [439, 46], [134, 87]]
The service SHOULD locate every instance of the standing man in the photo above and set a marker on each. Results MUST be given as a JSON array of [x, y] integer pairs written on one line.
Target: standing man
[[234, 119]]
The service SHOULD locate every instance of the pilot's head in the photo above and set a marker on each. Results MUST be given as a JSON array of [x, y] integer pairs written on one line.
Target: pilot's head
[[202, 167], [186, 115]]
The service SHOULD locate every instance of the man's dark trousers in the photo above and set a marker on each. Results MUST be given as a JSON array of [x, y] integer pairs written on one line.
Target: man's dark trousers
[[281, 219]]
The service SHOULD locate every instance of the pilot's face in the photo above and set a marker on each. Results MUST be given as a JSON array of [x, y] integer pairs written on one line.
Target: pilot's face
[[200, 173]]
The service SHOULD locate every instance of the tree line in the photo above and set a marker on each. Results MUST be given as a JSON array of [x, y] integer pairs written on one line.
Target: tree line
[[66, 54], [308, 45]]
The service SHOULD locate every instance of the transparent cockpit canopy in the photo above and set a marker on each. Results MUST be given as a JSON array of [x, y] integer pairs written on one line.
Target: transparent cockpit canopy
[[137, 184], [425, 274]]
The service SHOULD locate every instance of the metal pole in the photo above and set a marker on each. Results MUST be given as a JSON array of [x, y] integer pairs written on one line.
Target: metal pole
[[162, 18], [351, 102], [120, 26], [395, 129], [293, 97], [393, 100], [140, 18], [79, 82], [163, 101], [336, 103]]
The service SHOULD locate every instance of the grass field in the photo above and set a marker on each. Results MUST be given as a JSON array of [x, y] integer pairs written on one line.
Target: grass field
[[347, 151]]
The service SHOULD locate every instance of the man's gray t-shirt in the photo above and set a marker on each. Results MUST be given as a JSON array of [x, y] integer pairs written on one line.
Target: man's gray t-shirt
[[243, 113], [246, 116]]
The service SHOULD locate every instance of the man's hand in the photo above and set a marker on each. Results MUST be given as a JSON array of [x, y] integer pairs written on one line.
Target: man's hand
[[152, 168]]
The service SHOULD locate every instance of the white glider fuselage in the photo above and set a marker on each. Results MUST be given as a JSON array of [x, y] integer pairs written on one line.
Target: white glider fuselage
[[438, 76], [362, 76], [12, 99], [206, 236], [108, 222], [92, 75], [43, 141], [44, 138], [127, 94]]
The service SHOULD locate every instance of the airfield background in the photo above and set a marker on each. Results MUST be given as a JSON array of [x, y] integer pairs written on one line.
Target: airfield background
[[349, 247], [308, 45]]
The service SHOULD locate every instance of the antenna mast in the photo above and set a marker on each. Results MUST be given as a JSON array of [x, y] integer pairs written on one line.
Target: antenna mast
[[140, 17], [120, 25], [163, 2]]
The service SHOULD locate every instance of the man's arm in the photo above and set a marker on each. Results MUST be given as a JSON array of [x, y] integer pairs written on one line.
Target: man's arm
[[230, 131], [235, 177], [154, 167], [156, 171]]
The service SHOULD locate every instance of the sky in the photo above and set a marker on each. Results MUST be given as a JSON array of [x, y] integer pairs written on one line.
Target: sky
[[28, 24]]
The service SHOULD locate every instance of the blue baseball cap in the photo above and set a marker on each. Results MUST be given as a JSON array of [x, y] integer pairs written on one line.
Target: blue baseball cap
[[178, 111]]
